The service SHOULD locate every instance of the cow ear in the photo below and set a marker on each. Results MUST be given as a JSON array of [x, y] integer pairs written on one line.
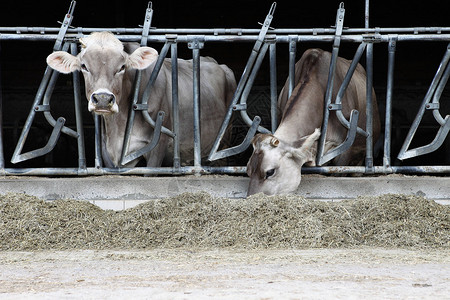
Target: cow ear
[[310, 139], [307, 151], [63, 62], [142, 57]]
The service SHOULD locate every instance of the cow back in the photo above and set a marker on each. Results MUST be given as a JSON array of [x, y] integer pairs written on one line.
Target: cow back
[[301, 113]]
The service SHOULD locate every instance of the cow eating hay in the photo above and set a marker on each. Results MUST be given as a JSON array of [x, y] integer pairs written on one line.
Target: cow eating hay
[[198, 220]]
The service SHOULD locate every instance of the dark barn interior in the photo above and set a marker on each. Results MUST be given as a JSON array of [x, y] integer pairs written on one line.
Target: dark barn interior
[[23, 62]]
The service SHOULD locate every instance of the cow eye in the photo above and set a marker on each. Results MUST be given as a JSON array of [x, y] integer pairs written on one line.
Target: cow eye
[[84, 68], [122, 68], [269, 173]]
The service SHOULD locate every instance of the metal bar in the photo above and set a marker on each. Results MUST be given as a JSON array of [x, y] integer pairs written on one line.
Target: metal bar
[[131, 116], [350, 138], [150, 83], [437, 96], [46, 100], [236, 96], [366, 14], [344, 85], [47, 84], [390, 85], [216, 170], [42, 87], [331, 74], [150, 146], [442, 66], [369, 108], [243, 81], [51, 143], [273, 86], [98, 141], [378, 170], [356, 38], [64, 26], [136, 88], [292, 52], [30, 118], [175, 106], [434, 145], [248, 87], [242, 146], [42, 31], [78, 113], [196, 106]]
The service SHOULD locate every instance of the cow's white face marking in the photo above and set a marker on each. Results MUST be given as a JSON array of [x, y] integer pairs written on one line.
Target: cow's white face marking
[[275, 167]]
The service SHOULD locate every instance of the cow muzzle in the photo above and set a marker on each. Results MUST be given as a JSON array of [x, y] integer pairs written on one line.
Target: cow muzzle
[[103, 103]]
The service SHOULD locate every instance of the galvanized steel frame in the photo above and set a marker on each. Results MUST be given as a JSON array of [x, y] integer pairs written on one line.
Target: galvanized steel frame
[[264, 39]]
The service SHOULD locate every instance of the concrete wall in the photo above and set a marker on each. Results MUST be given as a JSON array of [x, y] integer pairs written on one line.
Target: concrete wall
[[122, 192]]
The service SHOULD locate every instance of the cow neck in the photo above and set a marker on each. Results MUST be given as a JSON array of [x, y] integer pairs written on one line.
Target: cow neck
[[296, 126], [116, 123]]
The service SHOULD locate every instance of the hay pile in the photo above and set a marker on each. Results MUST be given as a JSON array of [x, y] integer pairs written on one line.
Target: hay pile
[[202, 221]]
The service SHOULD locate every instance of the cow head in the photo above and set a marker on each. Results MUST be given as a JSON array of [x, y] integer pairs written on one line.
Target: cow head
[[275, 166], [103, 62]]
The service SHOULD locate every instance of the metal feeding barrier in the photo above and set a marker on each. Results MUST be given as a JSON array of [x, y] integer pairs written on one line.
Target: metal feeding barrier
[[265, 39]]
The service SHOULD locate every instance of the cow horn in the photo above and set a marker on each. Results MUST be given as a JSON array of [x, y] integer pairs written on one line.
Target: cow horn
[[274, 142], [83, 45]]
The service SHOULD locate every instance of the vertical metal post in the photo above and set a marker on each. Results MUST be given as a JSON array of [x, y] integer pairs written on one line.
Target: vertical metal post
[[78, 113], [390, 85], [195, 46], [98, 141], [369, 109], [292, 52], [175, 106], [366, 14], [273, 84], [196, 82]]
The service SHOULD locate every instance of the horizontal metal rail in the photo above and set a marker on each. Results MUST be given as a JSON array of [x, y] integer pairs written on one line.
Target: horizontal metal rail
[[215, 170], [226, 31], [186, 38]]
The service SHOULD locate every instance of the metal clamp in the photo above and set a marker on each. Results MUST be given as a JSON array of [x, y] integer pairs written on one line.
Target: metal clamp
[[331, 75], [150, 146], [46, 86], [196, 42], [256, 56], [430, 101], [51, 143], [348, 142], [242, 146]]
